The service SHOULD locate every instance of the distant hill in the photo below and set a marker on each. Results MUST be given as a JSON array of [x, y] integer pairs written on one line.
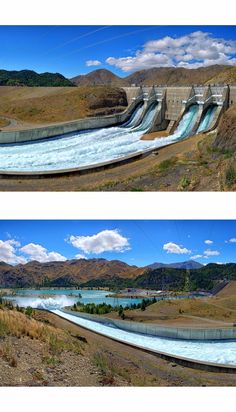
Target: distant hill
[[113, 273], [189, 264], [204, 278], [31, 78], [68, 273], [97, 77], [170, 76]]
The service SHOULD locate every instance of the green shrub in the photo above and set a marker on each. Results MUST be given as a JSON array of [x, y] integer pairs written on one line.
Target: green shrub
[[184, 182], [29, 311], [166, 164]]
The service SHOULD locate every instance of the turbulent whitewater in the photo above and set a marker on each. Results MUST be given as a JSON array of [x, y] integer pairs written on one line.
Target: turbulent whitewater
[[92, 147], [222, 352]]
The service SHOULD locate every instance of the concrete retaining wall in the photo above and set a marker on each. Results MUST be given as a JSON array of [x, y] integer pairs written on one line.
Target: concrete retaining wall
[[162, 331], [187, 362], [67, 127]]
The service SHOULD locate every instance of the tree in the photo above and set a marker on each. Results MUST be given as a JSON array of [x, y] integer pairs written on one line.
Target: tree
[[143, 305]]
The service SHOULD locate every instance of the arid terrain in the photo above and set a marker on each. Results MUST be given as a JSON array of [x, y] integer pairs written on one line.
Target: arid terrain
[[32, 106], [67, 355], [217, 311]]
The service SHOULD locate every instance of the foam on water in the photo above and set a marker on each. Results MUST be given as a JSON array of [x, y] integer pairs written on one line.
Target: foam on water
[[207, 119], [222, 352], [91, 147]]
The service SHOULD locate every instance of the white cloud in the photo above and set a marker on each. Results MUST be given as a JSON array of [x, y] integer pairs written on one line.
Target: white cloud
[[8, 252], [190, 51], [174, 248], [93, 63], [80, 256], [41, 254], [232, 240], [195, 257], [210, 252], [104, 241], [208, 242]]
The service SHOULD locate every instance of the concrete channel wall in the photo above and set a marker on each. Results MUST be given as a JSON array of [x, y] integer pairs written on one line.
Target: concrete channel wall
[[67, 127], [161, 331], [187, 362]]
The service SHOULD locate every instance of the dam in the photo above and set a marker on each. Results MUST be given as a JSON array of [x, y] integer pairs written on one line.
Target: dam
[[180, 112]]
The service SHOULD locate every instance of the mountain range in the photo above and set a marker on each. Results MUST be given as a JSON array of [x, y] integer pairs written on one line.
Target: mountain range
[[113, 273], [189, 264], [169, 76]]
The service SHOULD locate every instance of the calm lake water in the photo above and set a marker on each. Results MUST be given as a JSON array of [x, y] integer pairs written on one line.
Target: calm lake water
[[59, 298]]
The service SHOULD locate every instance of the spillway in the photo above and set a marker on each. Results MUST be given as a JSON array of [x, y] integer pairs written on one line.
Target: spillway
[[207, 119], [221, 352], [93, 146]]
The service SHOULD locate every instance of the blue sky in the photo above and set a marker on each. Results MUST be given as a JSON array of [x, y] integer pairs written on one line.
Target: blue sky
[[138, 242], [73, 50]]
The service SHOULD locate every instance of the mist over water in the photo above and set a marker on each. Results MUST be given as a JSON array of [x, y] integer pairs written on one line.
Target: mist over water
[[92, 147], [57, 299]]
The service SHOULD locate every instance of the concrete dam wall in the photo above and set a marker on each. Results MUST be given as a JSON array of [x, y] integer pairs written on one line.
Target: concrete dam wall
[[172, 104]]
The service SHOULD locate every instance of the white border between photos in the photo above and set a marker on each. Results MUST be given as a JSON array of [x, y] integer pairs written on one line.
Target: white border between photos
[[117, 205], [153, 12]]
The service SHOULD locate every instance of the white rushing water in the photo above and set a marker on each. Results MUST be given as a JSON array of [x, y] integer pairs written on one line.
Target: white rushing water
[[91, 147], [222, 352], [207, 119]]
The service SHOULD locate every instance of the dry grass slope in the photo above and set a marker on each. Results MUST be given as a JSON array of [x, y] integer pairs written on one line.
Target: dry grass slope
[[41, 105]]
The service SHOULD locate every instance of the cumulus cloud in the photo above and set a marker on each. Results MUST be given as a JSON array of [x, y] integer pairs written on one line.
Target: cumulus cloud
[[41, 254], [195, 257], [208, 242], [190, 51], [8, 252], [232, 240], [210, 252], [104, 241], [174, 248], [80, 256], [90, 63]]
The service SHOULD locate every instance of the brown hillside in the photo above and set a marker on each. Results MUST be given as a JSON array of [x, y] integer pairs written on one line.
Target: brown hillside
[[97, 77], [170, 76], [69, 272], [58, 104], [226, 135], [227, 75], [228, 291]]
